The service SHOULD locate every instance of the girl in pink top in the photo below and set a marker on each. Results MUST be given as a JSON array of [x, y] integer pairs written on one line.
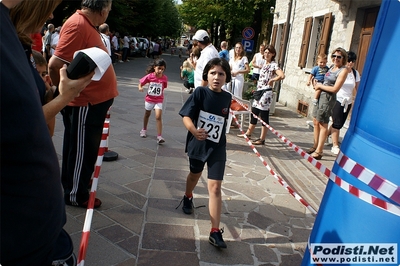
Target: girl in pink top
[[155, 95]]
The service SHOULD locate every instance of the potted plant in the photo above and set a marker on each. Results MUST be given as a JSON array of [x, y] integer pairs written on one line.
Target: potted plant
[[248, 94]]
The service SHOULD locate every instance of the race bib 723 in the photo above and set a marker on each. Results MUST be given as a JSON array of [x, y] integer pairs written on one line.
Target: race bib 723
[[213, 124]]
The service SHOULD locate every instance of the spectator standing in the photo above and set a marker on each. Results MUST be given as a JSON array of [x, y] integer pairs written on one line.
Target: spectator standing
[[47, 42], [333, 81], [239, 67], [269, 74], [105, 31], [125, 48], [37, 44], [32, 208], [344, 100], [208, 52], [257, 62], [156, 49], [158, 82], [83, 117], [54, 39], [224, 52], [115, 45], [206, 141], [149, 46]]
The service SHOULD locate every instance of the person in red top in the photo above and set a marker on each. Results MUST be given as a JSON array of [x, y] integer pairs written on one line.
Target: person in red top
[[155, 95], [84, 116], [37, 42]]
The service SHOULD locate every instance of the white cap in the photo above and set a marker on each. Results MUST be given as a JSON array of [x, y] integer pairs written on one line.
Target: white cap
[[200, 35]]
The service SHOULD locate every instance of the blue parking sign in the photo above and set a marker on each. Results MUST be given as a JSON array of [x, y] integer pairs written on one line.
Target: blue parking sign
[[248, 45]]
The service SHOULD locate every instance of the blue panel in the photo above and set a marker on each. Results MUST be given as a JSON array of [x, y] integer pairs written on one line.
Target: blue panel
[[372, 140]]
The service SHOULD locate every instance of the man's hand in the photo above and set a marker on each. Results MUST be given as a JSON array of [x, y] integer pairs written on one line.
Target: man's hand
[[69, 88]]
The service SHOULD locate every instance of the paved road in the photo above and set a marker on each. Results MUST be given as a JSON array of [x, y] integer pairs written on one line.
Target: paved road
[[138, 223]]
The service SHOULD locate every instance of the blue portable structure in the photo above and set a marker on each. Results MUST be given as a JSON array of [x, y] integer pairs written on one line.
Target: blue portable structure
[[372, 141]]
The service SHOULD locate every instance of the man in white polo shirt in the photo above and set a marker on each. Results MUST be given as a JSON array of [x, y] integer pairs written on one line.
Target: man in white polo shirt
[[208, 52]]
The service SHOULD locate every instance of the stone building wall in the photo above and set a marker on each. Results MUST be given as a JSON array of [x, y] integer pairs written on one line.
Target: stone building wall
[[347, 20]]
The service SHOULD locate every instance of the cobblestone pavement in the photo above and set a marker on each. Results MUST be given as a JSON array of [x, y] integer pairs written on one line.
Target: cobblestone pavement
[[138, 223]]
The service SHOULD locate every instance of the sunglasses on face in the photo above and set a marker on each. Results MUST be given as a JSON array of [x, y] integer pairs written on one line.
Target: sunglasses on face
[[337, 56]]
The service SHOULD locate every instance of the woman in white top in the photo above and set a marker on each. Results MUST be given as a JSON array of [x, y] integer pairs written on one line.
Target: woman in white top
[[344, 100], [239, 67], [257, 62], [269, 74]]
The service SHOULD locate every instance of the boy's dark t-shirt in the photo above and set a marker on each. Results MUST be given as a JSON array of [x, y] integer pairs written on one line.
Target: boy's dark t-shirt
[[213, 109]]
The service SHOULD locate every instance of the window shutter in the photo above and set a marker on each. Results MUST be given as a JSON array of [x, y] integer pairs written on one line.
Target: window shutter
[[326, 32], [282, 42], [274, 32], [305, 42]]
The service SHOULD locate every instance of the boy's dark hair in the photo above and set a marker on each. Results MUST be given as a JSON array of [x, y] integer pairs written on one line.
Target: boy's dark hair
[[157, 62], [218, 62]]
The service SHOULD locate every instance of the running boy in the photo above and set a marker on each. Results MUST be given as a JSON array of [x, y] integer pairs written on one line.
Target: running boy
[[204, 115], [154, 96], [317, 75]]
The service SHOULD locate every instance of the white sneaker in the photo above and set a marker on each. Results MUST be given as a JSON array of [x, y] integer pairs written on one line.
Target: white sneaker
[[335, 150], [127, 60], [143, 133], [120, 61], [160, 140]]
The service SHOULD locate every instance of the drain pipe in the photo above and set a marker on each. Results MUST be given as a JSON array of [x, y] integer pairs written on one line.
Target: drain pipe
[[285, 42]]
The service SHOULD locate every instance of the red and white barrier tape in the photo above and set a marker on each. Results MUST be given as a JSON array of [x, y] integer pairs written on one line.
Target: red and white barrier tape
[[337, 180], [280, 179], [89, 212], [383, 186], [107, 124]]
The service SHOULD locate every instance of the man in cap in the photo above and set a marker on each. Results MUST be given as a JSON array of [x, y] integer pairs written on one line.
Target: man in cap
[[208, 52]]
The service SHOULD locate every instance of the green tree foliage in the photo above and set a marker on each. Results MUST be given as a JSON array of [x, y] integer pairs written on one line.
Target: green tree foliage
[[136, 17], [232, 16]]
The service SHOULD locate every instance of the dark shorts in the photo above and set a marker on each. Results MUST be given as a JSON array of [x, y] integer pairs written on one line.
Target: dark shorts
[[255, 76], [263, 114], [215, 168], [339, 116], [188, 85]]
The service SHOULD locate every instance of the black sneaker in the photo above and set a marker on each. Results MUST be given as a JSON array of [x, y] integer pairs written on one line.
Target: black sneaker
[[187, 205], [216, 240]]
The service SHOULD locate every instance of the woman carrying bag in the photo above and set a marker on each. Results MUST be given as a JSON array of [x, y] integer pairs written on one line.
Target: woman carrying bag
[[269, 74]]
